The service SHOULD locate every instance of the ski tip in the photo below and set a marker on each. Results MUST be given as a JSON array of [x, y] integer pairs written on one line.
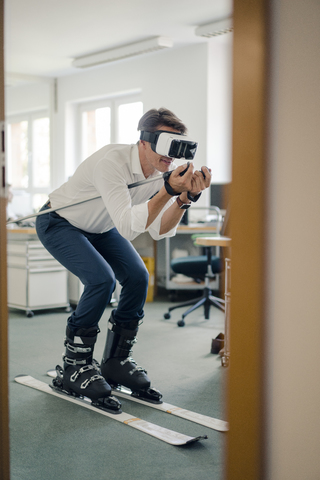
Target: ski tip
[[22, 378], [225, 428]]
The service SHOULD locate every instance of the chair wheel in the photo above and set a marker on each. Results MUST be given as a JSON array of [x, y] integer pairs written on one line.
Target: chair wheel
[[167, 316], [181, 323]]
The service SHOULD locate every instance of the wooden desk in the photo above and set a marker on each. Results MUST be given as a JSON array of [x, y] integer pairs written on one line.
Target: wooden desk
[[217, 241], [20, 234], [197, 227], [29, 231]]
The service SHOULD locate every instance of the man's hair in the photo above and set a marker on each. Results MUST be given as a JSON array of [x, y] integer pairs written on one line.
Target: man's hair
[[154, 119]]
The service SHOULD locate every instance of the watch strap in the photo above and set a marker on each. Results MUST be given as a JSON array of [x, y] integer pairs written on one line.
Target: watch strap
[[183, 206]]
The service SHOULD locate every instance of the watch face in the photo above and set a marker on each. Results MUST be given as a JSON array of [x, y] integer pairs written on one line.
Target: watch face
[[185, 206]]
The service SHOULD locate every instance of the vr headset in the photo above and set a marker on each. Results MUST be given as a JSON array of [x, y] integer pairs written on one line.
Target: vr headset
[[170, 144]]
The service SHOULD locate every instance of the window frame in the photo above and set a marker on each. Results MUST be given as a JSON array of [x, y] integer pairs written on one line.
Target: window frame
[[113, 103], [30, 117]]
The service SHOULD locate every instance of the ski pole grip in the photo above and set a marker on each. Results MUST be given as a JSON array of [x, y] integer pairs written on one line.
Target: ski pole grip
[[196, 198], [167, 185], [166, 175]]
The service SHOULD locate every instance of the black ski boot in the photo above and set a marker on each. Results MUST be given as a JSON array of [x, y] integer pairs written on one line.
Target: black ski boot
[[119, 368], [81, 375]]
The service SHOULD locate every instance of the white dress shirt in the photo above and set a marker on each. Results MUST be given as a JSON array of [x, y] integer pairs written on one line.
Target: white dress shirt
[[108, 172]]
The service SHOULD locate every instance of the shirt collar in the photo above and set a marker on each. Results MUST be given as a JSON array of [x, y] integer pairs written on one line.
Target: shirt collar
[[135, 161], [136, 165]]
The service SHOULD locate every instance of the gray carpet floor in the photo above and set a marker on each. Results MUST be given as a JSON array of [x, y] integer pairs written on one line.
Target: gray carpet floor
[[52, 439]]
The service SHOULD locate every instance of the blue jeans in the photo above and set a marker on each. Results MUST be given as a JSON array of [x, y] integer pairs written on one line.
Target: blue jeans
[[97, 260]]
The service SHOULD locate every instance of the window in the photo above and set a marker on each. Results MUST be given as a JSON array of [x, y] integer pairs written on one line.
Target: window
[[28, 159], [109, 121], [129, 115], [95, 129]]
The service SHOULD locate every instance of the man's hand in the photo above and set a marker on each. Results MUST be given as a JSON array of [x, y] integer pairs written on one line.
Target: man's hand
[[182, 183], [200, 181]]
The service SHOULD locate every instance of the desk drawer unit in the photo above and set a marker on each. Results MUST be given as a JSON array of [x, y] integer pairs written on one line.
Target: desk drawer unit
[[36, 280]]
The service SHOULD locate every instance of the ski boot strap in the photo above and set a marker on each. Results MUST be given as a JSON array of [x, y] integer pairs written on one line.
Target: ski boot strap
[[77, 354], [74, 361], [88, 336], [80, 353], [122, 330], [75, 348], [74, 377], [136, 367]]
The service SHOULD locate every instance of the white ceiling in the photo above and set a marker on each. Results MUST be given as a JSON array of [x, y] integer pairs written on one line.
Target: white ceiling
[[42, 37]]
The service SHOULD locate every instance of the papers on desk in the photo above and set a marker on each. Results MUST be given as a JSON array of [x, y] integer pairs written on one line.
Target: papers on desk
[[179, 253]]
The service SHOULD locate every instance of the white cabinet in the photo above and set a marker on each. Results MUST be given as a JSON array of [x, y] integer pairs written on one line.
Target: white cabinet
[[36, 281]]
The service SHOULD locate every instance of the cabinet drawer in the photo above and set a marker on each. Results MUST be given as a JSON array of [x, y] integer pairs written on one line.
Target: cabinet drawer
[[37, 289], [23, 261], [24, 248], [48, 288]]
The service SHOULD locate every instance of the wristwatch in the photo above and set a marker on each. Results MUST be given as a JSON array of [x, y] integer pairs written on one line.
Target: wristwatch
[[183, 206]]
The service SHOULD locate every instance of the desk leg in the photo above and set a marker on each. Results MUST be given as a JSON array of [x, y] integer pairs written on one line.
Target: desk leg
[[167, 247], [227, 295]]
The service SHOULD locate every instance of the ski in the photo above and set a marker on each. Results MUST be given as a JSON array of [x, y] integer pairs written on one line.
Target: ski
[[204, 420], [169, 436]]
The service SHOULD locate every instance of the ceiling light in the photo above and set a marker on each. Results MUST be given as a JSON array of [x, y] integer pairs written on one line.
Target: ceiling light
[[138, 48], [215, 28]]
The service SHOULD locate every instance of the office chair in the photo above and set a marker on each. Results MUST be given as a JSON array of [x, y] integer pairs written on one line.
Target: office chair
[[199, 267]]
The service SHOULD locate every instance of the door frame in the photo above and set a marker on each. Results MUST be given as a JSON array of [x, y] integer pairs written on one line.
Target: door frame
[[245, 405]]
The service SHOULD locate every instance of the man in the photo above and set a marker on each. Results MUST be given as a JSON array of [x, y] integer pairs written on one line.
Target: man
[[92, 240]]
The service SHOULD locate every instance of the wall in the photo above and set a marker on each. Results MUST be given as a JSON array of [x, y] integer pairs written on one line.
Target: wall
[[293, 302], [219, 111], [27, 98]]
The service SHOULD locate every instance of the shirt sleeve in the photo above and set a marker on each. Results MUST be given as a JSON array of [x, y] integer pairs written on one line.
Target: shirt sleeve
[[154, 228], [111, 181]]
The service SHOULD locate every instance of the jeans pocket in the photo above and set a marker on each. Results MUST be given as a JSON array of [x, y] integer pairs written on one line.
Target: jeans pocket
[[42, 224]]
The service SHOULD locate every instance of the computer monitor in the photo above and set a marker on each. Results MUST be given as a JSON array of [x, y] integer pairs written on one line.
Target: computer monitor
[[219, 195]]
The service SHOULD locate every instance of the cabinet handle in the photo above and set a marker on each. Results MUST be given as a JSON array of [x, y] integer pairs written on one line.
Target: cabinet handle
[[44, 270]]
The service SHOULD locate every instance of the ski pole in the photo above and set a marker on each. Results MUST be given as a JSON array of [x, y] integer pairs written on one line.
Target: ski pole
[[164, 176], [49, 210]]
